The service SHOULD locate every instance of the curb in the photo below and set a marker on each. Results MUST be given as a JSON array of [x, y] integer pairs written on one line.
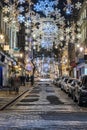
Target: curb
[[3, 107]]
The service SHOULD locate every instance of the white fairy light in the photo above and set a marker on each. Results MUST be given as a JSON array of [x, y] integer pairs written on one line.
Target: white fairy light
[[46, 6], [21, 18], [78, 5], [21, 1], [5, 9], [6, 19], [21, 9]]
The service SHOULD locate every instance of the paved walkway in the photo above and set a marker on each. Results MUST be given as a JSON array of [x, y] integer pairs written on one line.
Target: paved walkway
[[40, 120], [7, 96]]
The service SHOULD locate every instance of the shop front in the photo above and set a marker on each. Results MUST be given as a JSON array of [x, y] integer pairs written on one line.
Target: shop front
[[3, 70], [81, 69]]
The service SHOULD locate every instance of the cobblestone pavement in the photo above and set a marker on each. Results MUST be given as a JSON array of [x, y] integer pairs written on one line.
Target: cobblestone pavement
[[44, 108], [42, 121]]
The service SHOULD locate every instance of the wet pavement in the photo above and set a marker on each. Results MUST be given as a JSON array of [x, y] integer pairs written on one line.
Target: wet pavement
[[45, 97], [43, 107]]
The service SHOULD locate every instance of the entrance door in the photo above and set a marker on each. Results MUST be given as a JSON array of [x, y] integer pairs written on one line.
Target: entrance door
[[1, 77]]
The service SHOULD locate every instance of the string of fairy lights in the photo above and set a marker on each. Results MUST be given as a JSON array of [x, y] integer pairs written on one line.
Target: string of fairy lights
[[51, 23]]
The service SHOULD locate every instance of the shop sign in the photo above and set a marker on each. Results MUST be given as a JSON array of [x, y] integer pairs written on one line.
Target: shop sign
[[6, 47]]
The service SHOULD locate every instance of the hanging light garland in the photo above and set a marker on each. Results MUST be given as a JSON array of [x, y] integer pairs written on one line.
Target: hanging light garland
[[46, 6], [50, 25]]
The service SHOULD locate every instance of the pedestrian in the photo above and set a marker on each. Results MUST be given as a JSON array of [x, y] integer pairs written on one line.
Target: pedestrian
[[11, 81], [32, 79], [32, 73], [27, 79], [22, 80]]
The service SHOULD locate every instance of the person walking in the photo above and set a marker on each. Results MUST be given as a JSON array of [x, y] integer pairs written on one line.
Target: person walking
[[33, 71], [22, 80]]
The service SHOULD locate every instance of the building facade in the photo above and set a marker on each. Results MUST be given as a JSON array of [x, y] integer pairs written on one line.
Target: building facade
[[8, 41], [81, 49]]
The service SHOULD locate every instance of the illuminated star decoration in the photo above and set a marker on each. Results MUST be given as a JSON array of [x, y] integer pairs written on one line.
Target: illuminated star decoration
[[21, 18], [21, 9], [6, 9], [5, 19], [21, 1], [78, 5], [68, 7], [28, 23], [46, 6], [49, 28], [46, 43]]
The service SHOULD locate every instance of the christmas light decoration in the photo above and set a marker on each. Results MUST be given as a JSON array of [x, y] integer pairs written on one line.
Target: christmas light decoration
[[21, 9], [78, 5], [46, 6], [21, 18], [41, 20], [21, 1]]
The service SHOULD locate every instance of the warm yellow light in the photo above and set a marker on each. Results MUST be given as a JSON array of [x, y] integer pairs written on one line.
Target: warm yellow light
[[19, 69], [1, 36], [78, 45], [6, 47], [16, 66], [21, 55]]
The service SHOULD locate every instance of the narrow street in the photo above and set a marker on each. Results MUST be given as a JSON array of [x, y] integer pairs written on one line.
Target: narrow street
[[44, 107], [43, 64], [45, 97]]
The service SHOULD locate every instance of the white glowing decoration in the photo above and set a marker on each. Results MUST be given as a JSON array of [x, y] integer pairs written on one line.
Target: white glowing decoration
[[57, 12], [46, 6], [69, 8], [61, 38], [49, 28], [78, 45], [6, 19], [21, 1], [5, 9], [79, 35], [47, 43], [26, 48], [79, 23], [81, 49], [78, 5], [68, 30], [21, 9], [46, 67], [21, 18], [61, 20], [26, 43], [27, 23]]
